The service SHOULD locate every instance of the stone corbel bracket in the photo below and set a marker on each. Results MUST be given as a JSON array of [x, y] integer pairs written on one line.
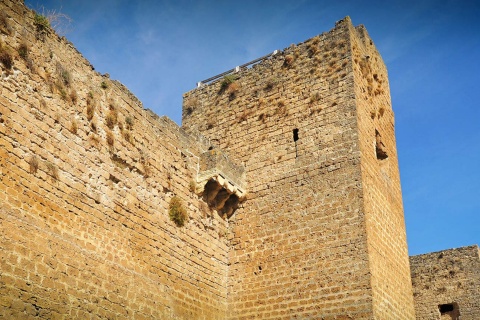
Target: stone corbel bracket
[[220, 182]]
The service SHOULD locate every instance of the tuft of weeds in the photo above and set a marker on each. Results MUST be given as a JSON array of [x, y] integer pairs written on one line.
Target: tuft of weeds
[[128, 137], [190, 105], [129, 122], [63, 74], [110, 138], [33, 164], [23, 50], [6, 57], [289, 59], [227, 81], [177, 212], [270, 83], [111, 118], [103, 85], [192, 186], [73, 96], [42, 24], [52, 170], [63, 92], [232, 90], [74, 126], [4, 25], [313, 46], [90, 111]]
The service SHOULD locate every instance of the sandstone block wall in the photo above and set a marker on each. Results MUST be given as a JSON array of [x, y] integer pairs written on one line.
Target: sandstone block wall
[[446, 284], [308, 243], [382, 195], [86, 178]]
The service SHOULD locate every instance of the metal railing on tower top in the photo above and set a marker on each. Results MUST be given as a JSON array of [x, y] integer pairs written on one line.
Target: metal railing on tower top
[[236, 69]]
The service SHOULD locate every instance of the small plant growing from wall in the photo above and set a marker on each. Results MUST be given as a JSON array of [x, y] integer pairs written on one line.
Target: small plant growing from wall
[[6, 57], [73, 96], [33, 164], [111, 118], [4, 25], [23, 51], [190, 105], [177, 212], [42, 25], [52, 170], [227, 81], [289, 60], [103, 85], [90, 111], [128, 137], [110, 138], [74, 127], [62, 92], [144, 160], [313, 46], [270, 83], [192, 186], [129, 122], [64, 75]]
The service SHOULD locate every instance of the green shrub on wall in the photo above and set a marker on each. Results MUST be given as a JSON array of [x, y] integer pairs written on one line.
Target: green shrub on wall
[[177, 212]]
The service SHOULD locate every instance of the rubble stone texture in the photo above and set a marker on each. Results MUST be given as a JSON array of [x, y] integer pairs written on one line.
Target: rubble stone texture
[[449, 278], [287, 172]]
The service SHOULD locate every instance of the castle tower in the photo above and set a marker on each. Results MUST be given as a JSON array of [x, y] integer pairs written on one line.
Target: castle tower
[[321, 233]]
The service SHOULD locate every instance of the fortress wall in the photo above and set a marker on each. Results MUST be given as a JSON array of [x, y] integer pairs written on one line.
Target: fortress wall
[[449, 277], [387, 244], [299, 247], [84, 224]]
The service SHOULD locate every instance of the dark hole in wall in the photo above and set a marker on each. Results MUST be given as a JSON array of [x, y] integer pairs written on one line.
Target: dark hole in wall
[[444, 308], [449, 309], [295, 135], [380, 147]]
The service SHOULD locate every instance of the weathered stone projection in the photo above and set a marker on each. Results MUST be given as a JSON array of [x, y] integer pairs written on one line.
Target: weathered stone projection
[[221, 195], [220, 182]]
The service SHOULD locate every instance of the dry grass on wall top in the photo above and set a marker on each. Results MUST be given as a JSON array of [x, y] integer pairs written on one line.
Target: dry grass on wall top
[[177, 212]]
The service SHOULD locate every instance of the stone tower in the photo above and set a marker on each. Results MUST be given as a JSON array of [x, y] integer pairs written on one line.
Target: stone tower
[[321, 233]]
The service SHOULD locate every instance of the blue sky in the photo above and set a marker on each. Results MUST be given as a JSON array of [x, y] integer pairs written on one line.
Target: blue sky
[[160, 49]]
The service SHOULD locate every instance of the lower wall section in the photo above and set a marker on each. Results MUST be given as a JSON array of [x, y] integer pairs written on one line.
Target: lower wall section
[[49, 276], [446, 284]]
